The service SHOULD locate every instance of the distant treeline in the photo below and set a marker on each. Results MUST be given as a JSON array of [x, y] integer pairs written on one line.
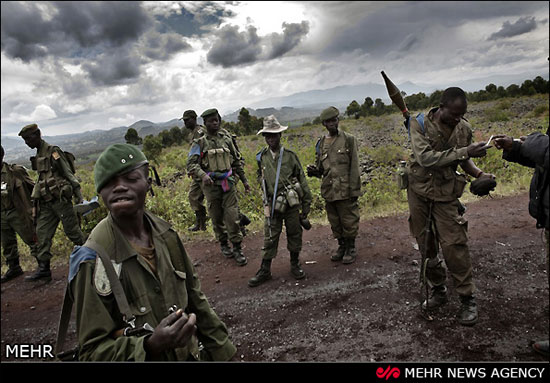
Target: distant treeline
[[419, 101], [248, 124]]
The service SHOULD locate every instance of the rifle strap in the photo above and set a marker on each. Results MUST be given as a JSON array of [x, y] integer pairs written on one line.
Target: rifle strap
[[277, 181], [118, 292]]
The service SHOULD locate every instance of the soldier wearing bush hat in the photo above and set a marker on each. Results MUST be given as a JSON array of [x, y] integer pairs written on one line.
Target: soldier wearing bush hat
[[337, 163], [282, 202], [52, 194], [215, 159], [151, 261]]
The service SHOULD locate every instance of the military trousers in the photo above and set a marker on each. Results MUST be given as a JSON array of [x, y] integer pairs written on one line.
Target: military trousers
[[223, 209], [450, 231], [50, 213], [272, 233], [343, 217], [196, 196], [12, 224]]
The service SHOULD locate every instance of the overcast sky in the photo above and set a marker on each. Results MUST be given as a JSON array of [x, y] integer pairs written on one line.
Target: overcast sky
[[77, 66]]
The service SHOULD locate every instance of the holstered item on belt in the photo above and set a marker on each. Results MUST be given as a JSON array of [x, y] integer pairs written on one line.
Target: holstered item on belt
[[280, 204], [292, 197]]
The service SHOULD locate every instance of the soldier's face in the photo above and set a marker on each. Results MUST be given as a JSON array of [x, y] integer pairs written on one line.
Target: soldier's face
[[273, 140], [451, 114], [212, 123], [32, 140], [124, 195], [190, 123], [331, 125]]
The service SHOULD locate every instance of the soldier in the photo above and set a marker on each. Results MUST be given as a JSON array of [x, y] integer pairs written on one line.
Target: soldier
[[337, 163], [214, 158], [16, 215], [441, 142], [196, 196], [278, 164], [155, 271], [55, 187]]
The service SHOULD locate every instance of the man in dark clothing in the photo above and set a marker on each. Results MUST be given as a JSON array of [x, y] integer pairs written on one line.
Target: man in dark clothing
[[532, 151]]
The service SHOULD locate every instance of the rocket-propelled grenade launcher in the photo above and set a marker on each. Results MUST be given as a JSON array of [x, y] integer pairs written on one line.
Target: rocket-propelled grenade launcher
[[396, 96]]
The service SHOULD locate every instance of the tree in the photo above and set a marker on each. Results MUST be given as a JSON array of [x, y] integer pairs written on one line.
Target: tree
[[513, 90], [353, 109], [177, 135], [152, 147], [132, 137]]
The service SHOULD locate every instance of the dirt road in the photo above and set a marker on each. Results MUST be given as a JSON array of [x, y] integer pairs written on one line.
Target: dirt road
[[366, 311]]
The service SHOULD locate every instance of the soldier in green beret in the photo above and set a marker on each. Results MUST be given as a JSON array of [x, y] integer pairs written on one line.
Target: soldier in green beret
[[155, 271], [52, 194], [282, 201], [214, 158], [16, 215], [196, 196], [337, 163]]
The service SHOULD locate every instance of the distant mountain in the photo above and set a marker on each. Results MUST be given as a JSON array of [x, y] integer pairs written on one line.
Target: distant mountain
[[87, 145]]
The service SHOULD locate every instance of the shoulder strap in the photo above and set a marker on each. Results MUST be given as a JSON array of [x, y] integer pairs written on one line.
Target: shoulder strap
[[419, 119], [277, 181], [118, 292]]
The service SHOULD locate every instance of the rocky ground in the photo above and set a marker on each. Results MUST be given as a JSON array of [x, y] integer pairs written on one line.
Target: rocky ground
[[366, 311]]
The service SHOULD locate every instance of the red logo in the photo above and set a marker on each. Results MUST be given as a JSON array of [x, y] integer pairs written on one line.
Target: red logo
[[388, 372]]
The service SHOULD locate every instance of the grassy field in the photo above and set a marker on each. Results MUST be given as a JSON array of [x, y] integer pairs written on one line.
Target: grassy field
[[383, 142]]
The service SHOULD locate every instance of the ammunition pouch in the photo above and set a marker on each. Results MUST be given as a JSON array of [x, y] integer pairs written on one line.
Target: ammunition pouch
[[402, 178], [296, 185], [42, 164], [219, 160], [292, 197], [280, 204], [66, 193], [33, 162], [460, 184]]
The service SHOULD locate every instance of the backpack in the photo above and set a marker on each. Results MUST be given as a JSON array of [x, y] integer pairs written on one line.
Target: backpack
[[419, 118]]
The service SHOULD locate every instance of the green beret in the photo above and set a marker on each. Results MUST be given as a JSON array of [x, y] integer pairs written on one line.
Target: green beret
[[189, 114], [28, 130], [115, 160], [208, 112], [329, 113]]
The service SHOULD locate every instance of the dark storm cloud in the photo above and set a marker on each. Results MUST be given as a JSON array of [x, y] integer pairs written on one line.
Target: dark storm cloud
[[161, 47], [113, 69], [523, 25], [291, 37], [233, 48], [27, 34], [384, 29]]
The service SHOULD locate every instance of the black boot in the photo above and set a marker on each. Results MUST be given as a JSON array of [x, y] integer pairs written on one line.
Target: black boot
[[42, 273], [200, 220], [351, 253], [468, 311], [238, 254], [244, 221], [340, 252], [203, 219], [263, 275], [14, 270], [438, 298], [226, 249], [295, 268]]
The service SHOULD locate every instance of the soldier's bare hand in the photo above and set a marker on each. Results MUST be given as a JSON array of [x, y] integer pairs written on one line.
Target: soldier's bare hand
[[503, 142], [174, 331], [207, 180], [477, 149], [246, 187], [312, 171]]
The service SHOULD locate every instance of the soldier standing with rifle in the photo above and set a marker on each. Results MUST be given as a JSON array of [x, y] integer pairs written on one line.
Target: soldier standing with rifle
[[196, 196], [337, 163], [285, 191], [440, 142], [53, 191], [16, 216]]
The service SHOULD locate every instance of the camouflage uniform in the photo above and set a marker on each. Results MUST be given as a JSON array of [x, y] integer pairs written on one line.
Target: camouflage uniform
[[54, 189], [433, 180], [16, 215], [216, 155], [196, 196]]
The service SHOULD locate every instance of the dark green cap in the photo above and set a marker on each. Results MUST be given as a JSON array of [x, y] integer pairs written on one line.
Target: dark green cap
[[115, 160], [329, 113], [208, 112], [28, 130], [188, 114]]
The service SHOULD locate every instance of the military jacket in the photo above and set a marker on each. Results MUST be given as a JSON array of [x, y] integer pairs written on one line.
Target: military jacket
[[338, 162], [215, 153], [16, 191], [435, 158], [291, 171], [55, 178], [194, 134], [149, 295]]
